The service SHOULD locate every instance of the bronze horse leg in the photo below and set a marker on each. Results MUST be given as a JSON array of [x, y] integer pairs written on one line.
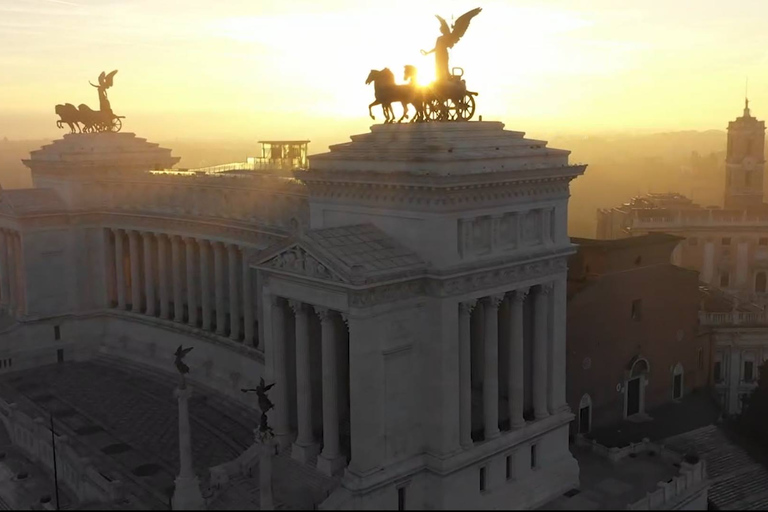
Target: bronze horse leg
[[370, 109]]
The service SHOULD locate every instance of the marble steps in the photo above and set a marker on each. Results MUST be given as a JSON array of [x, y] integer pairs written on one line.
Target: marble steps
[[300, 485]]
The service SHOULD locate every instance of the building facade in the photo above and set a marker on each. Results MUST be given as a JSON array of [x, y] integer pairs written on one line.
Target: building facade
[[406, 294], [633, 340], [728, 246]]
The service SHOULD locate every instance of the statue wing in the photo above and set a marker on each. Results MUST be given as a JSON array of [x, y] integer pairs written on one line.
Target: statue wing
[[462, 24], [102, 77], [186, 351], [269, 387], [443, 24], [109, 78], [178, 352]]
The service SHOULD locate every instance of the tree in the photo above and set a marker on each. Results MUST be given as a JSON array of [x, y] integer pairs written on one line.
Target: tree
[[754, 412]]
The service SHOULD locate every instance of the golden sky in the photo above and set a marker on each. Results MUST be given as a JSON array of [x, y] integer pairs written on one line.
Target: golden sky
[[296, 68]]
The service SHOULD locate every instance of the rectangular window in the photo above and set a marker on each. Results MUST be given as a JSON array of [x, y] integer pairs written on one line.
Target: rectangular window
[[637, 309], [725, 279], [401, 498], [762, 241], [533, 457], [509, 467], [726, 241], [717, 374], [56, 332], [482, 479], [748, 369], [700, 358]]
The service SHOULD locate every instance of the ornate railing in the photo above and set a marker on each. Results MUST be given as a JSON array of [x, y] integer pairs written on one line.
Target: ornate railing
[[734, 318]]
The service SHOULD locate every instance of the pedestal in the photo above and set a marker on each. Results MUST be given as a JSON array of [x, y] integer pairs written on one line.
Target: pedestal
[[265, 476], [187, 495]]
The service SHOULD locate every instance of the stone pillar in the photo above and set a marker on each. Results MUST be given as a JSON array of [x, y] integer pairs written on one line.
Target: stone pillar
[[303, 448], [516, 391], [162, 275], [178, 296], [491, 372], [149, 273], [266, 502], [205, 283], [557, 401], [540, 342], [191, 278], [247, 300], [234, 296], [330, 461], [110, 290], [18, 262], [218, 283], [120, 269], [465, 374], [187, 495], [280, 375], [133, 248]]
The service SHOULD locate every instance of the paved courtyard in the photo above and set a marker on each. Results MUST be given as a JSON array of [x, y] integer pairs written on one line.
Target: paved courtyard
[[129, 416]]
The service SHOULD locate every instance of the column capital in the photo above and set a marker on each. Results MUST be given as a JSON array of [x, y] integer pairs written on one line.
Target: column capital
[[493, 300], [345, 318], [132, 233], [323, 313], [518, 296], [467, 306], [296, 305], [546, 288], [147, 234]]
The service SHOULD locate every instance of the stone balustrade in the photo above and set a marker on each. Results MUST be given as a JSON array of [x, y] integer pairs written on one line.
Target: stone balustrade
[[730, 318], [691, 481]]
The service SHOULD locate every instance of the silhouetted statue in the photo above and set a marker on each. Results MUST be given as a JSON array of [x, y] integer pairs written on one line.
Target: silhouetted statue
[[102, 120], [447, 40], [180, 366], [265, 404], [386, 92]]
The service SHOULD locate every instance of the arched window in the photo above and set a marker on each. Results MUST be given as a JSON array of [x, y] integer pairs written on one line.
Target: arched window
[[639, 367], [677, 382], [760, 282], [585, 414]]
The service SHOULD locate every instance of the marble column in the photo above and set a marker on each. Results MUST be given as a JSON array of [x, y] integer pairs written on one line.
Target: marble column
[[205, 283], [18, 262], [186, 495], [557, 377], [178, 283], [5, 287], [516, 381], [218, 283], [247, 300], [119, 269], [133, 248], [303, 448], [280, 374], [191, 278], [149, 273], [330, 460], [234, 296], [110, 292], [465, 373], [540, 342], [162, 275], [266, 501], [491, 372]]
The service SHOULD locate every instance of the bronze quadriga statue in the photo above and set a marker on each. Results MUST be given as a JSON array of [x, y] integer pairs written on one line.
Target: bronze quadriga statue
[[84, 119], [446, 99]]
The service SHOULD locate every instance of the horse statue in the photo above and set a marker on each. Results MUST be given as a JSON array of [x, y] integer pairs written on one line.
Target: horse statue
[[101, 120], [386, 92], [68, 114]]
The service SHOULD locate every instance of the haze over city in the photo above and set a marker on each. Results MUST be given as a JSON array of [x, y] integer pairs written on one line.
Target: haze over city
[[247, 69]]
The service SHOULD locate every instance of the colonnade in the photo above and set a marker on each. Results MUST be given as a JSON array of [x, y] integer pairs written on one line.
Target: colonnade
[[202, 283], [502, 339], [12, 292], [333, 336]]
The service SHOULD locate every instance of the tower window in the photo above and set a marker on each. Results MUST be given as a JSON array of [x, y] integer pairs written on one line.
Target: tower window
[[56, 332]]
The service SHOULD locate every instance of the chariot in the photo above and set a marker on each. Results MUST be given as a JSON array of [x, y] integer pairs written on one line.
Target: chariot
[[449, 100]]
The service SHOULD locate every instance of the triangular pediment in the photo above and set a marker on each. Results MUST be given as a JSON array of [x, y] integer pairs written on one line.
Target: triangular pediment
[[297, 258]]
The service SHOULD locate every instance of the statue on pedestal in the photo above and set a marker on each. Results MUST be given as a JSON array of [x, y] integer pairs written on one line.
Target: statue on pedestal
[[264, 436], [446, 99], [102, 120], [182, 368]]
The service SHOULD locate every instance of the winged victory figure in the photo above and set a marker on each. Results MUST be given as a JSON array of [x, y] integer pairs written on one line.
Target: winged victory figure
[[265, 403], [105, 82], [450, 36], [180, 354]]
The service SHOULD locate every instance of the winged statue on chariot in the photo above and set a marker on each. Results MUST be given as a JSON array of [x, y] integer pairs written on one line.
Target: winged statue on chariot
[[92, 121], [446, 99]]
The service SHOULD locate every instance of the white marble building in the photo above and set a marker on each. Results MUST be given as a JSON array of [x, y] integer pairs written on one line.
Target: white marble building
[[406, 294]]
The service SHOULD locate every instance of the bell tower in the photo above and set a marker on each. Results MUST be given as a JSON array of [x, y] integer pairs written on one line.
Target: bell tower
[[745, 161]]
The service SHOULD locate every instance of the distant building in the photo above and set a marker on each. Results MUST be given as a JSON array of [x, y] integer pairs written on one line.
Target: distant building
[[728, 246], [632, 331]]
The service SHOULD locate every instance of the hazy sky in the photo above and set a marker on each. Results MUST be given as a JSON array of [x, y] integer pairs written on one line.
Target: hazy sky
[[295, 68]]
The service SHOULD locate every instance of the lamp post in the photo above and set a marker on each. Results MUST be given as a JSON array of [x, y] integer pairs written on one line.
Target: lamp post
[[55, 467]]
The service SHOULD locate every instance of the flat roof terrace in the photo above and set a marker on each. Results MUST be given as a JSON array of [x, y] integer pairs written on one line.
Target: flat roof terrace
[[128, 419]]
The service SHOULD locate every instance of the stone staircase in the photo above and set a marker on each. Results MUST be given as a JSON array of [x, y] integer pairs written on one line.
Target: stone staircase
[[300, 486]]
